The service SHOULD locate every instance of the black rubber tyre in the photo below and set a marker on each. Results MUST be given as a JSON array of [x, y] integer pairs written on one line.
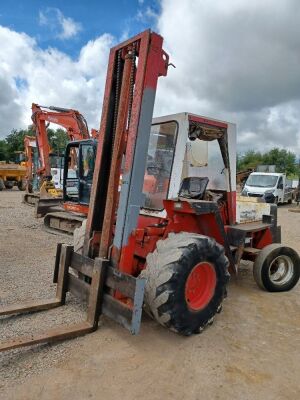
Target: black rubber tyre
[[268, 263], [30, 188], [22, 185], [2, 186], [167, 271], [9, 184]]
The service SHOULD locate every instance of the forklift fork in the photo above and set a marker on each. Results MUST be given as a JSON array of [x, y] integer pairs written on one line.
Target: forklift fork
[[104, 280]]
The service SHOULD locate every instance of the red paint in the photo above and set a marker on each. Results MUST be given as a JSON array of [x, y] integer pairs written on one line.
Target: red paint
[[200, 286], [28, 142], [231, 207], [207, 121], [78, 208], [262, 238]]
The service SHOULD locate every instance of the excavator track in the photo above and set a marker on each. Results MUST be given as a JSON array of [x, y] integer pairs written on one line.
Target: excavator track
[[63, 222]]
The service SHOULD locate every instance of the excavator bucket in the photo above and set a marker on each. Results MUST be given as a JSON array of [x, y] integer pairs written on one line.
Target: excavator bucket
[[42, 205], [30, 199]]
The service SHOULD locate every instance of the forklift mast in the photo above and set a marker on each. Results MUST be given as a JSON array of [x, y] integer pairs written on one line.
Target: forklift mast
[[133, 71]]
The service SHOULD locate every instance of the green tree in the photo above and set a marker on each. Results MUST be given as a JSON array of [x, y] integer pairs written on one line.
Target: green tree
[[250, 160], [3, 150], [58, 140], [284, 160], [15, 142]]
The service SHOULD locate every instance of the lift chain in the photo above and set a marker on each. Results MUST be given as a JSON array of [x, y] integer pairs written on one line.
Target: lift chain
[[117, 95], [132, 73]]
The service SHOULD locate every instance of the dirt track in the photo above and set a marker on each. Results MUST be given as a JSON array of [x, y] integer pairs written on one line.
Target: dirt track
[[252, 351]]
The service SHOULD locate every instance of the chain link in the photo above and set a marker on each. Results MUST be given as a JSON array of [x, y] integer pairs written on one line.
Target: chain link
[[117, 96], [131, 82]]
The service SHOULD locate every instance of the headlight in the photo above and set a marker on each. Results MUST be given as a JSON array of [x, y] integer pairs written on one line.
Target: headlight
[[269, 191]]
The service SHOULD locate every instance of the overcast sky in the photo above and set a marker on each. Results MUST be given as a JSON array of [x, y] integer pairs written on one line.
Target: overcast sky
[[235, 60]]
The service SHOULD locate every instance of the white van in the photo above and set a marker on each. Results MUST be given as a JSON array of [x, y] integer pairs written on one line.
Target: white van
[[271, 187]]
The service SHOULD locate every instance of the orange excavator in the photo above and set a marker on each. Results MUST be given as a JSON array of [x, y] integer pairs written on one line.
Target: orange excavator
[[76, 129], [30, 178]]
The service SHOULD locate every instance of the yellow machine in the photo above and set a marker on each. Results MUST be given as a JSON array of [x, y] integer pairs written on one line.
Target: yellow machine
[[12, 174]]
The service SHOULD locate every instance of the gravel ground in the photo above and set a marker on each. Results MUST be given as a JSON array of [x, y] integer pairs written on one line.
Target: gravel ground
[[26, 265], [252, 351]]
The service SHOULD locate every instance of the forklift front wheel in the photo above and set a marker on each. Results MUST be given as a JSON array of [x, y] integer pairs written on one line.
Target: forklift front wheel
[[186, 279], [277, 268]]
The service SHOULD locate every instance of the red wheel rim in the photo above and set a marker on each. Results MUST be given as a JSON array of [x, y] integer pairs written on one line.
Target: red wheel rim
[[200, 286]]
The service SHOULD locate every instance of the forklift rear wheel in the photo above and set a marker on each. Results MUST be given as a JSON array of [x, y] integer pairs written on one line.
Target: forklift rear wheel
[[186, 279], [277, 268]]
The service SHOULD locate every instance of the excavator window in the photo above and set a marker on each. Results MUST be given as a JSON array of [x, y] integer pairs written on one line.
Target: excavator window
[[159, 164], [72, 179], [79, 165], [87, 164]]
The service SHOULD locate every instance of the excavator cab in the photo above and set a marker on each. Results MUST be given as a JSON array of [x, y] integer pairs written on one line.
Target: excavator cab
[[78, 173]]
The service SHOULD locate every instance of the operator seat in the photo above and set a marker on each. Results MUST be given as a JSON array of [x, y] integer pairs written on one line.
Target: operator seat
[[193, 188]]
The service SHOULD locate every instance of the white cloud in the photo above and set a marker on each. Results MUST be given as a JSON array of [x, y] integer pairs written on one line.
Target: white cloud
[[54, 19], [70, 28], [49, 77], [146, 15], [236, 60]]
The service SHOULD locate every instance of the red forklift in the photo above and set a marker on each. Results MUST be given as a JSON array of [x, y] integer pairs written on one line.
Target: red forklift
[[167, 240]]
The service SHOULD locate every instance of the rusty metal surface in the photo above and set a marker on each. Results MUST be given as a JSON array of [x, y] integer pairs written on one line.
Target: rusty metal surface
[[98, 192], [115, 166], [152, 62]]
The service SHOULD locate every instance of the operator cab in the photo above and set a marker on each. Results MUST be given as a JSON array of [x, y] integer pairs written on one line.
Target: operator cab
[[78, 172], [190, 157]]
